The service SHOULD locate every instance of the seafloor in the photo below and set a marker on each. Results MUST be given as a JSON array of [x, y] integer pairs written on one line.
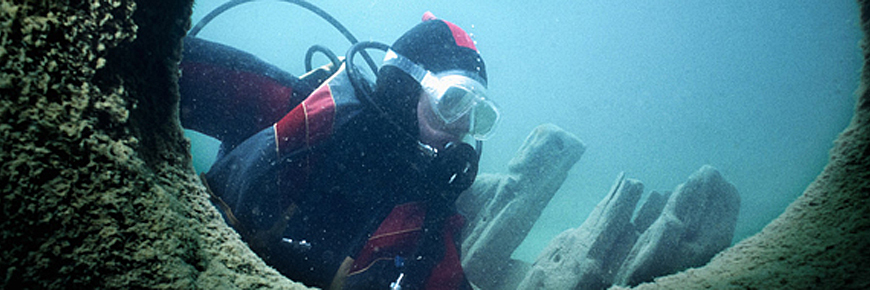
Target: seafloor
[[98, 190]]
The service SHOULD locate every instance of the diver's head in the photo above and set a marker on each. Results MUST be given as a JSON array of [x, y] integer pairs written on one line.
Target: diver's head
[[438, 46], [437, 66], [433, 84]]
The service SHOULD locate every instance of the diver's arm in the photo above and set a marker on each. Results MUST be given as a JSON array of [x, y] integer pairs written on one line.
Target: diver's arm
[[229, 94]]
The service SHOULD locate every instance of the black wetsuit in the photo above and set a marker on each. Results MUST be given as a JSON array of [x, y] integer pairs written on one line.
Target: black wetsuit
[[307, 175]]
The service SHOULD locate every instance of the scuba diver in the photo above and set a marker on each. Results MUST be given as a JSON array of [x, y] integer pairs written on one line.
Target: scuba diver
[[337, 181]]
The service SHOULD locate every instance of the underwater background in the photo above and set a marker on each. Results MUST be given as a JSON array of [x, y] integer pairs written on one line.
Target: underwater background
[[656, 89]]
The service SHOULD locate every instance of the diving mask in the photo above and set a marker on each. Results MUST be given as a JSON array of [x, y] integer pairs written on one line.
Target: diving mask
[[453, 95]]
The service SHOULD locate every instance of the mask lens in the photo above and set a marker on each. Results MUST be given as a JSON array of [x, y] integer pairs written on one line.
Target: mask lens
[[454, 103], [484, 119], [452, 96], [460, 97]]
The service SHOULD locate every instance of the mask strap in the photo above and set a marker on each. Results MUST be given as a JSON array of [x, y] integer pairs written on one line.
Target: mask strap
[[421, 75]]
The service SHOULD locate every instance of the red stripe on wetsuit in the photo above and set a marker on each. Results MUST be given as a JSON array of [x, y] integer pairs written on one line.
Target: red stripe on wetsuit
[[308, 124]]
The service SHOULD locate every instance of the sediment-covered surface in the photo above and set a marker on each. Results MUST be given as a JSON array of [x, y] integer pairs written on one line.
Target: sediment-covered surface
[[97, 187]]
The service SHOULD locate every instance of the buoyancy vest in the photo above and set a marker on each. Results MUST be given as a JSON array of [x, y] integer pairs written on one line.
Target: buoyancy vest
[[318, 185], [297, 192]]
